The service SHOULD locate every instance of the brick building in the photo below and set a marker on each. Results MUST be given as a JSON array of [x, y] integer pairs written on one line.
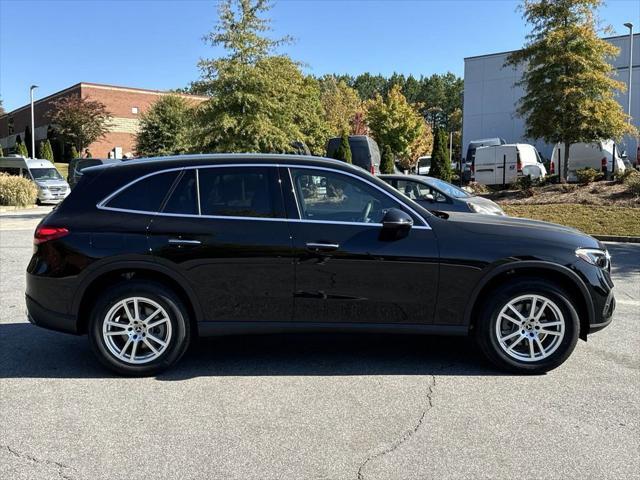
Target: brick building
[[124, 103]]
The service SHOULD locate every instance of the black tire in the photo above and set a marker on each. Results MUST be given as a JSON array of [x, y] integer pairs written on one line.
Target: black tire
[[161, 295], [486, 335]]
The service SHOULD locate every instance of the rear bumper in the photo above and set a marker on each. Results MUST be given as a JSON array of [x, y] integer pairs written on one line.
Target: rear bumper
[[43, 317]]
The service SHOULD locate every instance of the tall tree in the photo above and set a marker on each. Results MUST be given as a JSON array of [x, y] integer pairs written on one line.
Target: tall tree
[[368, 86], [260, 102], [46, 152], [340, 103], [568, 81], [395, 123], [27, 141], [166, 127], [440, 165], [80, 121], [343, 152], [387, 163]]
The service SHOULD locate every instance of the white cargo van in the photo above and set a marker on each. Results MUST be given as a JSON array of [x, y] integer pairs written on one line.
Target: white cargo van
[[598, 155], [503, 164], [52, 187]]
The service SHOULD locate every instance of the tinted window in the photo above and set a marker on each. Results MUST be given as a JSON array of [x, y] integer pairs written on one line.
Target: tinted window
[[236, 192], [146, 195], [183, 199], [336, 197]]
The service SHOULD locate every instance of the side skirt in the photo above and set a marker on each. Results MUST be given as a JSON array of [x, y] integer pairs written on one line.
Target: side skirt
[[209, 329]]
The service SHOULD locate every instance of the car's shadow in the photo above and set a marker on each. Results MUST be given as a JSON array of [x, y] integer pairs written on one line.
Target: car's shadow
[[27, 351]]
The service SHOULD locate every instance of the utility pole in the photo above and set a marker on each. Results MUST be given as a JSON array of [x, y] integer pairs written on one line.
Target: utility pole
[[629, 25]]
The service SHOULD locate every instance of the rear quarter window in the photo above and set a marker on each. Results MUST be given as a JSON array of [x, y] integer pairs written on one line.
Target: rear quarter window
[[145, 195]]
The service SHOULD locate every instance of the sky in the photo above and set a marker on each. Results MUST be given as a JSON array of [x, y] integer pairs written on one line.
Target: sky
[[156, 44]]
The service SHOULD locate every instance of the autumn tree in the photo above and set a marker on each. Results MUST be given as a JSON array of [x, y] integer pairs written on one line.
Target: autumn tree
[[166, 128], [80, 121], [569, 89], [340, 104], [395, 123]]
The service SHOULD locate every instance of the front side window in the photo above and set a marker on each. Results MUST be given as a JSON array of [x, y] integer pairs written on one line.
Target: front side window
[[145, 195], [236, 192], [419, 191], [330, 196]]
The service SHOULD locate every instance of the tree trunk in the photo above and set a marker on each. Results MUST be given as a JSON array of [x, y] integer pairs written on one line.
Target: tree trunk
[[564, 171]]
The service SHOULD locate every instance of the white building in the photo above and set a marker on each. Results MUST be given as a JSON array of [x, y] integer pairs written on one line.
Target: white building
[[491, 97]]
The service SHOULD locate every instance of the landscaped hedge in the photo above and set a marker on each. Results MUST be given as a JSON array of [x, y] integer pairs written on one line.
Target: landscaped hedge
[[17, 191]]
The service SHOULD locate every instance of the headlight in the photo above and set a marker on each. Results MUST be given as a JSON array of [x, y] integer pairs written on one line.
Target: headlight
[[487, 210], [594, 256]]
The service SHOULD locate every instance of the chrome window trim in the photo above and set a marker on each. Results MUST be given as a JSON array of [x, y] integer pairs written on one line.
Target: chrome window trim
[[102, 204], [198, 190]]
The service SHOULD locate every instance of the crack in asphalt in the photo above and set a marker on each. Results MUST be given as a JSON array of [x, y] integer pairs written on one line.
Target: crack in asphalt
[[60, 467], [405, 436]]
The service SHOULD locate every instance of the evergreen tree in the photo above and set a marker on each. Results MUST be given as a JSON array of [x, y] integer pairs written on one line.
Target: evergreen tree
[[21, 148], [387, 164], [440, 165], [343, 152], [46, 152], [27, 141]]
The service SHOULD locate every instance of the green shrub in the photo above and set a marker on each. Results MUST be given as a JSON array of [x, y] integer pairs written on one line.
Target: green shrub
[[21, 149], [387, 164], [343, 151], [587, 175], [524, 183], [440, 165], [46, 152], [17, 191], [628, 172], [632, 181]]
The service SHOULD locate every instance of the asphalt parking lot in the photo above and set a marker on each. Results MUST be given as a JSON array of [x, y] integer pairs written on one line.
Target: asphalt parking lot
[[314, 407]]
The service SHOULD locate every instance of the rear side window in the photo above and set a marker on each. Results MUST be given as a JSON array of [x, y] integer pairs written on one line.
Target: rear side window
[[184, 197], [10, 170], [236, 192], [145, 195]]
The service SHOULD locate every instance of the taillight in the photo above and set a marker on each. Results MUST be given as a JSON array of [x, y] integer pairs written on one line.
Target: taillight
[[552, 167], [519, 163], [603, 164], [372, 169], [45, 233]]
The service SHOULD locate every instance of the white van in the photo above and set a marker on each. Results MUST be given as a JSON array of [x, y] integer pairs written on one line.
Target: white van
[[598, 155], [504, 164], [52, 187]]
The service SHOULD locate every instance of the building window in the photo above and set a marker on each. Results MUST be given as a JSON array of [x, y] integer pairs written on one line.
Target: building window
[[10, 125], [134, 110]]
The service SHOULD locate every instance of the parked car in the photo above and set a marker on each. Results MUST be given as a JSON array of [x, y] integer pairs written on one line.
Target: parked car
[[76, 166], [146, 254], [504, 164], [364, 152], [52, 187], [599, 156], [435, 194]]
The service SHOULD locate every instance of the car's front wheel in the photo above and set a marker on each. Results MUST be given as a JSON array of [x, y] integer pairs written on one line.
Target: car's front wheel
[[528, 326], [139, 328]]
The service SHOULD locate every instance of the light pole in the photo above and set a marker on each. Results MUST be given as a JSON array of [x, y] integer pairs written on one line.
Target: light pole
[[629, 25], [33, 130]]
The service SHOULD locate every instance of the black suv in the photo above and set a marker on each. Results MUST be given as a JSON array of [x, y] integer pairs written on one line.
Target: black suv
[[147, 254]]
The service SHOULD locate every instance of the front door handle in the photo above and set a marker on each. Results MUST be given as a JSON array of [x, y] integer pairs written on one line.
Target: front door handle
[[322, 247], [181, 241]]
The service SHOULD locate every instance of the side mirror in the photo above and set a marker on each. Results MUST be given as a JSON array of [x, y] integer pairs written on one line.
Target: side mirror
[[429, 197], [396, 224]]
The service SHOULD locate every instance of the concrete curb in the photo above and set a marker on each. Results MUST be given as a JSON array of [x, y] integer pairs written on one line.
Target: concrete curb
[[616, 238]]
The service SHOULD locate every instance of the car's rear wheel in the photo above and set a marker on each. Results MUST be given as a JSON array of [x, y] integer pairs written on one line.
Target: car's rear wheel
[[528, 326], [139, 328]]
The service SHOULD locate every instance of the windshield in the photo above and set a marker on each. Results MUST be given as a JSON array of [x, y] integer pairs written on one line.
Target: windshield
[[45, 174], [449, 189]]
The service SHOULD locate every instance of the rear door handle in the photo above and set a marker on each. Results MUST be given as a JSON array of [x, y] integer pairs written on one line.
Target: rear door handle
[[181, 241], [322, 247]]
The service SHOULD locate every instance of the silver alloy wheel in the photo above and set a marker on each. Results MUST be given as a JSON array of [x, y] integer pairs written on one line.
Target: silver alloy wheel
[[136, 330], [530, 327]]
